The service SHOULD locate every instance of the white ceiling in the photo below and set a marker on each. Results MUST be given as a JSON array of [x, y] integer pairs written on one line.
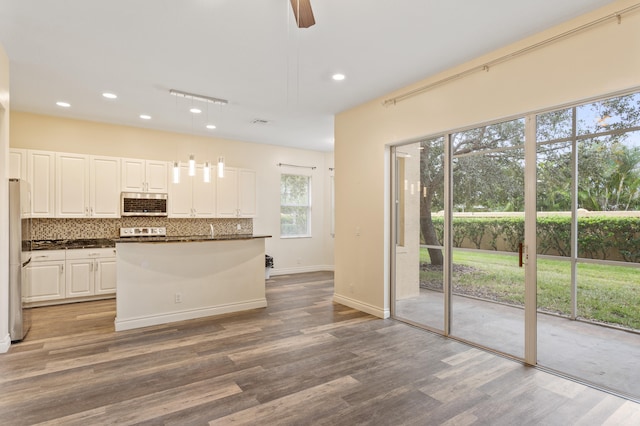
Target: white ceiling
[[249, 52]]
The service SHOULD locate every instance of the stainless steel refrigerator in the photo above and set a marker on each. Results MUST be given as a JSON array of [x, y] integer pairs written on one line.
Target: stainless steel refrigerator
[[19, 257]]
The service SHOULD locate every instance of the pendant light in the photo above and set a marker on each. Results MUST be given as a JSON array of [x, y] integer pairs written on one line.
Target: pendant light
[[192, 165], [220, 167], [176, 172], [207, 172]]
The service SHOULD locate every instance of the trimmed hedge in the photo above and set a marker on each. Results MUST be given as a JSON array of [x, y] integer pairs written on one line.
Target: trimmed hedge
[[600, 237]]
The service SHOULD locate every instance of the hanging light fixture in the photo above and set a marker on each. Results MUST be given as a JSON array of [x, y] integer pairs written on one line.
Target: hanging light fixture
[[176, 172], [220, 167], [207, 172], [192, 160], [192, 165]]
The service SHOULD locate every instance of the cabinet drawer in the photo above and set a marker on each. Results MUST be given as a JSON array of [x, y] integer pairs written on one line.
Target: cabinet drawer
[[47, 255], [98, 253]]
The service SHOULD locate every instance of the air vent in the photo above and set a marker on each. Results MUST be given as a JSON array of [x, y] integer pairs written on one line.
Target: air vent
[[259, 121]]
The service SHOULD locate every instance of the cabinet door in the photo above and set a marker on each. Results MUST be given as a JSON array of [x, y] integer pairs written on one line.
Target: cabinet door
[[227, 193], [18, 164], [41, 167], [47, 281], [180, 195], [247, 193], [72, 185], [157, 173], [132, 174], [204, 195], [105, 276], [105, 187], [79, 278]]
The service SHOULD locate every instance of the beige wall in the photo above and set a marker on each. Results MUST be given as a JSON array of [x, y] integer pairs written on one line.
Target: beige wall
[[5, 340], [41, 132], [599, 61]]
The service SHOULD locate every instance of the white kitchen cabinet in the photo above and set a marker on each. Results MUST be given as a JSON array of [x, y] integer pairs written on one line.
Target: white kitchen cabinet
[[90, 272], [105, 275], [18, 164], [87, 186], [41, 172], [236, 193], [144, 175], [192, 197], [46, 276], [104, 187], [72, 185]]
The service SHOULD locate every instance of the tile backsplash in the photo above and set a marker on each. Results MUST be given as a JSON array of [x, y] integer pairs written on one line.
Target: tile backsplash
[[61, 229]]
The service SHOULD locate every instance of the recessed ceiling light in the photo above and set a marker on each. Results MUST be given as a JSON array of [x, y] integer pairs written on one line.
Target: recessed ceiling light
[[195, 110], [63, 104], [109, 95], [338, 77], [145, 117], [211, 126]]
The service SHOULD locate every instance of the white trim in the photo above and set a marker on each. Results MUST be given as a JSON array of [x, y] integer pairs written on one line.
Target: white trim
[[302, 269], [146, 321], [5, 344], [364, 307]]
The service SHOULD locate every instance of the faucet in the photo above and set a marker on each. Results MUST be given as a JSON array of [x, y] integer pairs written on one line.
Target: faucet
[[211, 226]]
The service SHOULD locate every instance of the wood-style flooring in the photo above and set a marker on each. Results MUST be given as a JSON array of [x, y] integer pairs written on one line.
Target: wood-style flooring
[[303, 360]]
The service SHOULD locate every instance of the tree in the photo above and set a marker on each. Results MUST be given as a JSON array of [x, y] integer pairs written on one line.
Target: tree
[[488, 174]]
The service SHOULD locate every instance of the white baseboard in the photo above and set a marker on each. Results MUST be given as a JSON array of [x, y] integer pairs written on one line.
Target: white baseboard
[[130, 323], [364, 307], [5, 344], [301, 269]]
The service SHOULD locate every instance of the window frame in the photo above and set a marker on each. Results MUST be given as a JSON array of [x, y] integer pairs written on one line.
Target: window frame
[[309, 207]]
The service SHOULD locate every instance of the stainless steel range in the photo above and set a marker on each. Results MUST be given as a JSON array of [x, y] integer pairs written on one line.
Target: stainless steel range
[[144, 231]]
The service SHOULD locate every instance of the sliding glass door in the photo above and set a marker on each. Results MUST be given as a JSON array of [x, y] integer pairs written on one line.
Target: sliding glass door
[[523, 237], [487, 303]]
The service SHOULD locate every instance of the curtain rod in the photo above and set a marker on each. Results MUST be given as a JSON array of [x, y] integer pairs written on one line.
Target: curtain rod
[[294, 165], [486, 66]]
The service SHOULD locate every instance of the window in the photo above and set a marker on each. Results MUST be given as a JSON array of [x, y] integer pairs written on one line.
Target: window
[[295, 206]]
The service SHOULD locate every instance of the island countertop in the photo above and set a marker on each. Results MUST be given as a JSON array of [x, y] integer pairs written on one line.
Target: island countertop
[[189, 238]]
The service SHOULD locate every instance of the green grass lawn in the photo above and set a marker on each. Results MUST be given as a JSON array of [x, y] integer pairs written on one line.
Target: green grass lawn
[[609, 294]]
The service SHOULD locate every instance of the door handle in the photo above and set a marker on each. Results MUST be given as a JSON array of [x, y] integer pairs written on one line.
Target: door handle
[[520, 250]]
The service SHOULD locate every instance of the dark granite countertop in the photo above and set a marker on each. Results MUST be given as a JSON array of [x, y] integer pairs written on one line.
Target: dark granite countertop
[[72, 244], [189, 238]]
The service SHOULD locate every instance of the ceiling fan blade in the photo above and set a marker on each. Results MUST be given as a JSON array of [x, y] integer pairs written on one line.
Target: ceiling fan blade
[[303, 13]]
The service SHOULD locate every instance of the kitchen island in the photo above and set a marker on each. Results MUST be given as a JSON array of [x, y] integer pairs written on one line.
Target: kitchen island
[[167, 279]]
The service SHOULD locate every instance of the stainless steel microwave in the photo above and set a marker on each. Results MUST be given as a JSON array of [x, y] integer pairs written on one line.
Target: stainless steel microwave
[[143, 204]]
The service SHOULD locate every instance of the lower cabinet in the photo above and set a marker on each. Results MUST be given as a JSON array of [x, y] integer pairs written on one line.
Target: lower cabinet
[[56, 275], [47, 276], [90, 272]]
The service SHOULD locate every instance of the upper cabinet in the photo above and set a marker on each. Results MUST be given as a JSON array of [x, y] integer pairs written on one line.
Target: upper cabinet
[[236, 193], [144, 175], [104, 186], [87, 186], [192, 196], [41, 175], [18, 164]]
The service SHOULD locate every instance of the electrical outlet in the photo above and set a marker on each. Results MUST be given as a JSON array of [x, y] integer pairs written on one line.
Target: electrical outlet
[[178, 298], [299, 261], [238, 227]]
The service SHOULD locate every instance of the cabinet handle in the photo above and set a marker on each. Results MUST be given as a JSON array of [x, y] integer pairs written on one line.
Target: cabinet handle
[[61, 268], [91, 210], [86, 211], [41, 257], [94, 254], [97, 266]]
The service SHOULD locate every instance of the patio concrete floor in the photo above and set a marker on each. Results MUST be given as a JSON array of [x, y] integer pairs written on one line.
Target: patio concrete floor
[[600, 355]]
